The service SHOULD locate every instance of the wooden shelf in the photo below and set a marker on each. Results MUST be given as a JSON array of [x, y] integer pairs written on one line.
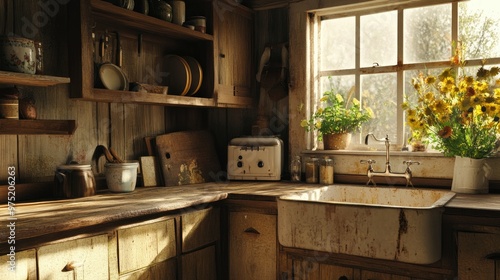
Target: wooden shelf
[[31, 80], [118, 96], [60, 127], [129, 19]]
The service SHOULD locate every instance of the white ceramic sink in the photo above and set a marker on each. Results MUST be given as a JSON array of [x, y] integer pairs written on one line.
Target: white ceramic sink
[[402, 224]]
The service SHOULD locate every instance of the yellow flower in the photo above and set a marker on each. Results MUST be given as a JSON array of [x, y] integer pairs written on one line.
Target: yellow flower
[[355, 101], [318, 125], [339, 98], [370, 112], [430, 80], [304, 123]]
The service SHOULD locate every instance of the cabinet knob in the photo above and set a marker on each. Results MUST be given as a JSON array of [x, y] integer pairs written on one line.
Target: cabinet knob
[[222, 55], [343, 278], [494, 256], [252, 230], [70, 266]]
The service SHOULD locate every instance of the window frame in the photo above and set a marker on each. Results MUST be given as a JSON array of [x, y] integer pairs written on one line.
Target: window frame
[[358, 10]]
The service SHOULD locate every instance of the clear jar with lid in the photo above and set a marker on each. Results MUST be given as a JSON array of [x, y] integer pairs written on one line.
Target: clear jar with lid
[[296, 169], [326, 171], [312, 170]]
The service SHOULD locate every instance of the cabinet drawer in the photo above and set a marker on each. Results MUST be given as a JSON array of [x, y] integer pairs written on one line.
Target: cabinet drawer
[[159, 271], [146, 244], [200, 228], [252, 243], [85, 258], [474, 251], [25, 266]]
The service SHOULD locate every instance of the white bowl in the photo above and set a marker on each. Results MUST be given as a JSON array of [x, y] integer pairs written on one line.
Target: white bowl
[[121, 177], [17, 54]]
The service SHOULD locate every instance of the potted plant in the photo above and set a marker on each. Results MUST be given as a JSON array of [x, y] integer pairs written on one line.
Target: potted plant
[[335, 119], [459, 115]]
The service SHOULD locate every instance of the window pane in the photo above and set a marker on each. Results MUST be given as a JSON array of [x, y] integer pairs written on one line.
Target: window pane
[[427, 34], [378, 91], [338, 47], [338, 83], [378, 39], [479, 28]]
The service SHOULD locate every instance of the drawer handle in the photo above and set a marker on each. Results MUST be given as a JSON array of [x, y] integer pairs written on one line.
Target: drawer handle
[[252, 230], [70, 266], [494, 256]]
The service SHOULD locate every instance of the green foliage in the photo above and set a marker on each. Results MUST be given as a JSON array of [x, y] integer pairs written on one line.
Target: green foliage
[[337, 115]]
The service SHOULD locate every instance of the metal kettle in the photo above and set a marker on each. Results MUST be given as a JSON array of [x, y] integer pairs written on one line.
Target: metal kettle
[[74, 180]]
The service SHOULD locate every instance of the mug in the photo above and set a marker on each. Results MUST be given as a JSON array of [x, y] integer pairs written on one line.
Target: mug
[[74, 180]]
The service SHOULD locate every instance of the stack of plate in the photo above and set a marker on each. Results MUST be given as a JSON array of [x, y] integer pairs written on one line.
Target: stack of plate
[[183, 75]]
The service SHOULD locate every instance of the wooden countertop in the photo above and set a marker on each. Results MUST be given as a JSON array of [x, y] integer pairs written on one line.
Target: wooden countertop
[[34, 219]]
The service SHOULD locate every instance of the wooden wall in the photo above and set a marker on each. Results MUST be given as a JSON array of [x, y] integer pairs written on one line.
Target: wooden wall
[[121, 126]]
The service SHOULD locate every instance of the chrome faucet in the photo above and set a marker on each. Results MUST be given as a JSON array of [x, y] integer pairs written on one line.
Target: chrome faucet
[[387, 173]]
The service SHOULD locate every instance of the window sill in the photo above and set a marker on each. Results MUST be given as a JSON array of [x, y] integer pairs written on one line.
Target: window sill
[[370, 153]]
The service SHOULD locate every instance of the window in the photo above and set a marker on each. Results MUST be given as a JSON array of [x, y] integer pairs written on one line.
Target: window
[[379, 49]]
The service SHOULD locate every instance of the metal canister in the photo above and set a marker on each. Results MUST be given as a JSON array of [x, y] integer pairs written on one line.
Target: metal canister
[[74, 180]]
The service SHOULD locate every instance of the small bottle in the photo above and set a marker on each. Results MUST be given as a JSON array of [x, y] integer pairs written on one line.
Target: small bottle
[[312, 170], [326, 171], [39, 57], [296, 169]]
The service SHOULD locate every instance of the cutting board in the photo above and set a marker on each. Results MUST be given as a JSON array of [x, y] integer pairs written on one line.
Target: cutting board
[[187, 157]]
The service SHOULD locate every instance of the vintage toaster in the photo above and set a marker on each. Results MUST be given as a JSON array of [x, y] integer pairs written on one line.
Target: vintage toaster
[[255, 158]]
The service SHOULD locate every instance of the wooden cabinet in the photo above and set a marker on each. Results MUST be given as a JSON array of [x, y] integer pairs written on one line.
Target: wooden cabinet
[[21, 267], [478, 256], [95, 26], [200, 233], [147, 247], [85, 258], [252, 246], [235, 53]]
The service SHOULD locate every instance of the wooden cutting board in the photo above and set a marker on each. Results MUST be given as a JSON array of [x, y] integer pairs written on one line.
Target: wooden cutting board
[[187, 157]]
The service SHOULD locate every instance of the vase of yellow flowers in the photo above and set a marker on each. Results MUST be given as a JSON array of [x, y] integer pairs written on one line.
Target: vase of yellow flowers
[[336, 118], [459, 114]]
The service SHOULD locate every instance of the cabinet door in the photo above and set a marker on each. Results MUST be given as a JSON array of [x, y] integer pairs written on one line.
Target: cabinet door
[[305, 269], [21, 266], [85, 258], [200, 265], [476, 256], [252, 246], [200, 228], [234, 34], [146, 244]]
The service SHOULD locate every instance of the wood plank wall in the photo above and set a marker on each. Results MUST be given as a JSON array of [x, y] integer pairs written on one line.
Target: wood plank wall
[[122, 126]]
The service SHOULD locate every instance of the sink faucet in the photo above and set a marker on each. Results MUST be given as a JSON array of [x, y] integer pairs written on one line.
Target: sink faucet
[[387, 173]]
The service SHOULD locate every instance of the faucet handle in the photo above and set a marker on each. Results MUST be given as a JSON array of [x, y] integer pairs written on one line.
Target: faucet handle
[[411, 162], [369, 161]]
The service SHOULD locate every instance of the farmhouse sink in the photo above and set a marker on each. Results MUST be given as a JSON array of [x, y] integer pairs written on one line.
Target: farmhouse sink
[[402, 224]]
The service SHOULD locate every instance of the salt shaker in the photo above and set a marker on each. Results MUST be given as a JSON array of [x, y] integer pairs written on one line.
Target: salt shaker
[[296, 169]]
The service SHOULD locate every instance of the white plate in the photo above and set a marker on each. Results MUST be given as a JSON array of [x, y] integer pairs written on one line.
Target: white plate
[[112, 77]]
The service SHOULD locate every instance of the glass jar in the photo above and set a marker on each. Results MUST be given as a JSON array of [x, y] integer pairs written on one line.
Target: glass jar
[[296, 169], [326, 171], [312, 170]]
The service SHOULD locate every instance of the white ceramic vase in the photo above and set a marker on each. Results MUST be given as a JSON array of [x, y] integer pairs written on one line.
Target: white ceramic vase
[[469, 176]]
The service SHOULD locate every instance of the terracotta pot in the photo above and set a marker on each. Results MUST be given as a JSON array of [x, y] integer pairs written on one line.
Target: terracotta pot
[[337, 141]]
